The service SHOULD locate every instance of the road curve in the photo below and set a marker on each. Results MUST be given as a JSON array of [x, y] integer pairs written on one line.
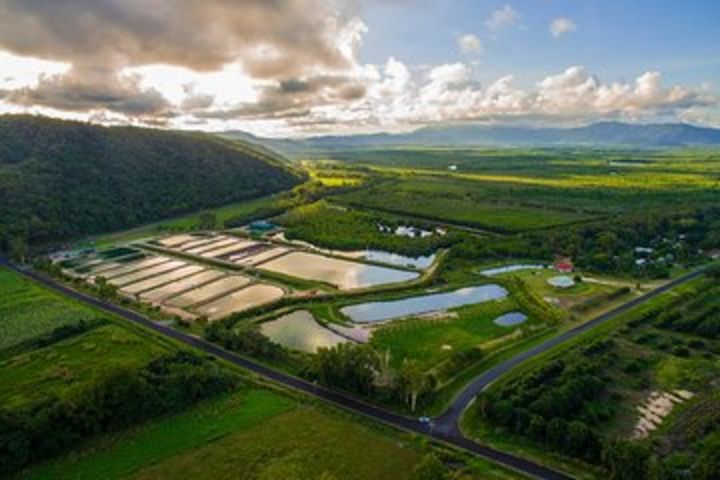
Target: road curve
[[452, 436], [449, 421]]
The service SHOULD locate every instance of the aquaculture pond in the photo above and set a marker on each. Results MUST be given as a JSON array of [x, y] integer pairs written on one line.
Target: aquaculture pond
[[490, 272], [510, 319], [344, 274], [299, 331], [397, 259], [381, 311]]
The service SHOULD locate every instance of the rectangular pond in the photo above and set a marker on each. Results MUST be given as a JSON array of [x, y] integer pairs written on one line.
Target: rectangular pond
[[344, 274], [299, 331], [199, 242], [176, 240], [147, 273], [393, 309], [260, 257], [219, 242], [166, 291], [158, 280], [134, 266], [232, 248], [210, 291], [248, 297]]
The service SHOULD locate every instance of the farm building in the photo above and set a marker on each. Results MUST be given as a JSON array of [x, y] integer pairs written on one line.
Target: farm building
[[564, 265]]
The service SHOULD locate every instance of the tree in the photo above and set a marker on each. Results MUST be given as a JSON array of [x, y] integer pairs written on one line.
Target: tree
[[626, 460], [106, 290], [18, 249], [346, 365], [413, 381]]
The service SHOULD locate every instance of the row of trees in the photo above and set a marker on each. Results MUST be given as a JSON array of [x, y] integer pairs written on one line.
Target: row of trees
[[361, 369], [114, 401], [335, 227], [558, 405]]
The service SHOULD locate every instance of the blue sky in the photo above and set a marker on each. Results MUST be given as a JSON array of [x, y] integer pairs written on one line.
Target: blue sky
[[305, 67], [615, 39]]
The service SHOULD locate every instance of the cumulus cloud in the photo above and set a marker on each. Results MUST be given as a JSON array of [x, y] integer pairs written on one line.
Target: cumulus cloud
[[504, 17], [561, 26], [86, 89], [450, 93], [470, 43], [286, 66], [272, 40]]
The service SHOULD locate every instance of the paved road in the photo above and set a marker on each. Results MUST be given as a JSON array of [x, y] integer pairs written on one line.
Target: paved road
[[350, 403], [448, 422], [445, 427]]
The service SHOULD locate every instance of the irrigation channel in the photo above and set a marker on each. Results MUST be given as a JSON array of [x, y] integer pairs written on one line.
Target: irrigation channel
[[445, 428]]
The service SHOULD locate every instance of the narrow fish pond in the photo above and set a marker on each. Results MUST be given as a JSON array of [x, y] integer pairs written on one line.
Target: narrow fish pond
[[381, 311], [490, 272]]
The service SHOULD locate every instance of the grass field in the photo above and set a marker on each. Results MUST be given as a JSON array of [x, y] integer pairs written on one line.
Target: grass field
[[255, 434], [28, 311], [119, 455], [432, 341], [49, 371], [248, 209]]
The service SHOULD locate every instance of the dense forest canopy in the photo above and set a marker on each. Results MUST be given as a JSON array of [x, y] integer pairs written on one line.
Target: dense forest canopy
[[61, 180]]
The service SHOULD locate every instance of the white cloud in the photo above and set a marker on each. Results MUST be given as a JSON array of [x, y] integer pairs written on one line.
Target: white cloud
[[561, 26], [504, 17], [470, 44]]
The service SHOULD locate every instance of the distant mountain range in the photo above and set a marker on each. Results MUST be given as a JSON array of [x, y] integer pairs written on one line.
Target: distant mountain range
[[608, 134]]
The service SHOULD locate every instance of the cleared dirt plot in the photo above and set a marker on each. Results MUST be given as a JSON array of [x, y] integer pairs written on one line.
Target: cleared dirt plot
[[159, 295], [236, 247], [159, 280], [176, 240], [260, 256], [344, 274], [147, 273], [244, 299], [210, 291], [134, 266], [219, 242]]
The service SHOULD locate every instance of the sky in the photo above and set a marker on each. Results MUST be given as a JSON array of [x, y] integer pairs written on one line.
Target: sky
[[315, 67]]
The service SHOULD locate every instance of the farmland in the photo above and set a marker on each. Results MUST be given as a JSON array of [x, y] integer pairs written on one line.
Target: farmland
[[370, 290], [455, 202], [647, 395], [29, 312], [245, 429]]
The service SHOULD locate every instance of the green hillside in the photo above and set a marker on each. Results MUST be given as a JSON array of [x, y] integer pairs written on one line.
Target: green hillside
[[61, 180]]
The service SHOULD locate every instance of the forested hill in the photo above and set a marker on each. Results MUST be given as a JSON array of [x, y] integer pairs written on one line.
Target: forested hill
[[61, 180]]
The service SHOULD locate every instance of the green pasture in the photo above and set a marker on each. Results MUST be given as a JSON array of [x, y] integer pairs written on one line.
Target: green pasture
[[28, 311], [46, 372]]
